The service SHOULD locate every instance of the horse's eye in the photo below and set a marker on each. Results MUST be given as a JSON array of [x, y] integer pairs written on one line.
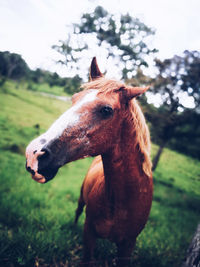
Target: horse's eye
[[106, 112]]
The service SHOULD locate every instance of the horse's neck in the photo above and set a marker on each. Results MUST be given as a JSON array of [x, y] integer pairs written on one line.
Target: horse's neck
[[123, 167]]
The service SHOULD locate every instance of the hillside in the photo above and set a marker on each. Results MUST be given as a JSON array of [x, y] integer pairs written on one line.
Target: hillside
[[36, 221]]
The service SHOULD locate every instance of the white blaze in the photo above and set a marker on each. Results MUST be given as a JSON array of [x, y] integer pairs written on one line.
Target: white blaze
[[69, 118]]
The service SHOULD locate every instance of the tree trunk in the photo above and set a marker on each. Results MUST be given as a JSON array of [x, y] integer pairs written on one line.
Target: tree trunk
[[192, 258], [157, 156]]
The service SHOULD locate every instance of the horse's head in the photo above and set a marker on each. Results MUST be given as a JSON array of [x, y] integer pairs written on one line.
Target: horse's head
[[89, 128]]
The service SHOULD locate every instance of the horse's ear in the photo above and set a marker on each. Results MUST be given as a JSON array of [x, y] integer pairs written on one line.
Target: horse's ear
[[94, 70], [131, 92]]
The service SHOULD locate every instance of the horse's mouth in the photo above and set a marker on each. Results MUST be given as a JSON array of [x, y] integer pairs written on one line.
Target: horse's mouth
[[40, 180], [43, 176], [48, 174]]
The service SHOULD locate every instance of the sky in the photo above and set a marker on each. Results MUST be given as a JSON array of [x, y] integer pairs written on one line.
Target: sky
[[31, 27]]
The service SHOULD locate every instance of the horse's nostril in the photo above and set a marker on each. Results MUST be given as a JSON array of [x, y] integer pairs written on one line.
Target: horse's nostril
[[30, 170], [45, 153]]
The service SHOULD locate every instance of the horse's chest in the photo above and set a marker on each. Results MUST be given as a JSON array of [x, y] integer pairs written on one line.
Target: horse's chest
[[113, 227]]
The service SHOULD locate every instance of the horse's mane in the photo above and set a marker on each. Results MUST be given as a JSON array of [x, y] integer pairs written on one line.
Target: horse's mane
[[142, 135], [135, 115]]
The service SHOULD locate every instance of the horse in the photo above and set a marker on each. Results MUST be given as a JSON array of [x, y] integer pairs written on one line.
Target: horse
[[105, 122]]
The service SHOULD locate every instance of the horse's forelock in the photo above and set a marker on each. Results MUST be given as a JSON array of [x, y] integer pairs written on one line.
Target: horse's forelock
[[103, 85]]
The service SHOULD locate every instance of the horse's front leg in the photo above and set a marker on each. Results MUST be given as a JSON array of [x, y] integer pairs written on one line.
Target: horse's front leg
[[124, 250], [89, 241]]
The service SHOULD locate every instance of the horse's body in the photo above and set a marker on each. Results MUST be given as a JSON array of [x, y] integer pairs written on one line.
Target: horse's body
[[117, 189]]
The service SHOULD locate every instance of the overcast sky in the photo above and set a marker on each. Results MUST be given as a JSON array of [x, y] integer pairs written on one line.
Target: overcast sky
[[31, 27]]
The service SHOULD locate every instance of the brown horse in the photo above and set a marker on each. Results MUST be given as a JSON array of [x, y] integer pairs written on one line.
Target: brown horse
[[104, 121]]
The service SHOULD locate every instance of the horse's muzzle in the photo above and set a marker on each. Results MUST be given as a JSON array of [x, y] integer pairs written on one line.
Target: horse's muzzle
[[41, 164], [42, 175]]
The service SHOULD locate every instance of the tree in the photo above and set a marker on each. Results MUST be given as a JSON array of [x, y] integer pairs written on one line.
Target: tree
[[123, 38], [191, 76], [73, 85], [177, 82], [12, 66], [44, 76], [186, 138]]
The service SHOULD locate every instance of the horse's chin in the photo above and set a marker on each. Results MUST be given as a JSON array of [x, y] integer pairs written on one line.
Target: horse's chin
[[40, 180], [45, 176]]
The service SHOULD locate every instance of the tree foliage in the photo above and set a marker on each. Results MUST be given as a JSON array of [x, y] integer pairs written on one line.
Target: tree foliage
[[191, 76], [12, 65], [177, 121], [43, 76], [179, 78], [123, 38], [73, 85]]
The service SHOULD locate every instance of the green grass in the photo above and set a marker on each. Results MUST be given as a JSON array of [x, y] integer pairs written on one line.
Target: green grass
[[34, 87], [36, 221], [56, 90]]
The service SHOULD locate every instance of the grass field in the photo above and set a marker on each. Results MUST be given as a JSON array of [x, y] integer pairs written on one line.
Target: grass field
[[36, 221]]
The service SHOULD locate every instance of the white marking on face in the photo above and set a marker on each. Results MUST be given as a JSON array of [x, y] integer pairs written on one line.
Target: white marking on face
[[69, 118]]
